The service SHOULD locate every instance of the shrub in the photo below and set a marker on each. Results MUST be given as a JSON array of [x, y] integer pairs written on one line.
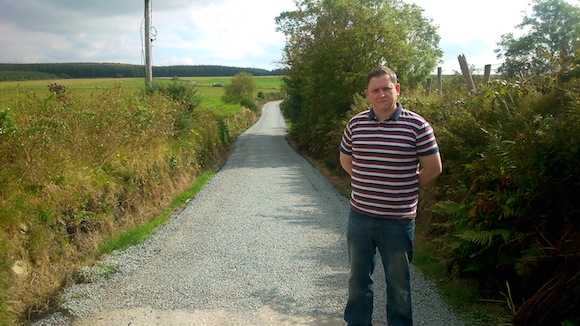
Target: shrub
[[184, 92], [250, 104], [512, 158], [242, 86]]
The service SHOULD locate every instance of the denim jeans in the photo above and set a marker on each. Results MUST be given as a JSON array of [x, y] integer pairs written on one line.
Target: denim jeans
[[394, 240]]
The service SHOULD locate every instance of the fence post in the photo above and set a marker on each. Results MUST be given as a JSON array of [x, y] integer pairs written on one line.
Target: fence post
[[465, 71], [486, 74], [440, 80], [428, 87]]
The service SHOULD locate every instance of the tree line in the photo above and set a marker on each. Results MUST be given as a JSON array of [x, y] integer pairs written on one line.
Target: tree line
[[31, 71]]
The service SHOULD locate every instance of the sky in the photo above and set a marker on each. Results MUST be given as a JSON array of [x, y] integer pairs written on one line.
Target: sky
[[239, 33]]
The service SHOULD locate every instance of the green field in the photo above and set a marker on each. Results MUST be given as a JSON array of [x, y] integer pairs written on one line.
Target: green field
[[211, 95]]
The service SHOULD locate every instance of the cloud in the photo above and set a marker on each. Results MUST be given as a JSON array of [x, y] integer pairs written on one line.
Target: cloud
[[223, 32], [230, 31], [199, 31], [472, 28]]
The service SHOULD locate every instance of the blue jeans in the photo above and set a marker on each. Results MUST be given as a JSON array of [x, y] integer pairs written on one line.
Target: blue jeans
[[394, 239]]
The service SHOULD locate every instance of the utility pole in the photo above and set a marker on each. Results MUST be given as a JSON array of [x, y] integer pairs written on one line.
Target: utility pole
[[148, 67]]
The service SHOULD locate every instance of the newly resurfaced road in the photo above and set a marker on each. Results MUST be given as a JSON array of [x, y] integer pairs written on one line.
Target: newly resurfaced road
[[263, 243]]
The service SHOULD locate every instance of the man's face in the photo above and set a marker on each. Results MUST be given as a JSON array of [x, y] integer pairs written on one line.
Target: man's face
[[382, 93]]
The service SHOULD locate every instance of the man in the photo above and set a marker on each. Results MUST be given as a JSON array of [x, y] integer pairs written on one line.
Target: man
[[390, 153]]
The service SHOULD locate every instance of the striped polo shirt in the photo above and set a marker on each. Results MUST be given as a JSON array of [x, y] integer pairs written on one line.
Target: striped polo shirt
[[385, 161]]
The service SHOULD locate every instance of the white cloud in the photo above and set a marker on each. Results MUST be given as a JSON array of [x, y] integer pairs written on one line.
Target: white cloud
[[226, 33], [473, 28], [223, 32]]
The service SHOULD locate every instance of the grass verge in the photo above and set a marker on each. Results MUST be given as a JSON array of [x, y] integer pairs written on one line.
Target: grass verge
[[141, 233]]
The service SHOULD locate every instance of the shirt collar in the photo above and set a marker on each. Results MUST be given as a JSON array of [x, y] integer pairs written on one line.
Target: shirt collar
[[394, 116]]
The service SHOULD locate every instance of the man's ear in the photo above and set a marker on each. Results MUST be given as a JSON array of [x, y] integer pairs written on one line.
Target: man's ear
[[398, 88]]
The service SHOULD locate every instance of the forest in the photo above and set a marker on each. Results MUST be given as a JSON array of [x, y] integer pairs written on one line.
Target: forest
[[35, 71]]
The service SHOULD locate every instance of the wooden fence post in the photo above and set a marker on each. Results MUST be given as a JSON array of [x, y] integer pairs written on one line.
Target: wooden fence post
[[440, 80], [428, 87], [465, 71], [486, 74]]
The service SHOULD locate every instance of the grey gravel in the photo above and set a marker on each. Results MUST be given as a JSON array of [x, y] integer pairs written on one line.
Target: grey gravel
[[263, 243]]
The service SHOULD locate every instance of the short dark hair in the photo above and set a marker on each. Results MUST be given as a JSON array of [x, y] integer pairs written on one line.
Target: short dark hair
[[380, 71]]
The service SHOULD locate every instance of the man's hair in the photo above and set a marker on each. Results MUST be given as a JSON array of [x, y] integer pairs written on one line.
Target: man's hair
[[380, 71]]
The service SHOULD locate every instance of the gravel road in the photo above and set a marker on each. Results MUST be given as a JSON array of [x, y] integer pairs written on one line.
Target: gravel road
[[263, 243]]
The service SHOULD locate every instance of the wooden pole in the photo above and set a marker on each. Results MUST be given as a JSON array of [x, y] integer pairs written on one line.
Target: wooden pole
[[148, 66], [486, 74], [466, 73], [428, 87], [440, 79]]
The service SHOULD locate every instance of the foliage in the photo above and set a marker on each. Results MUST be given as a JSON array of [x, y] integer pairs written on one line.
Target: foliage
[[552, 32], [25, 75], [241, 87], [332, 44], [250, 104], [210, 70], [29, 71], [76, 170], [184, 92], [141, 233], [512, 158], [505, 213]]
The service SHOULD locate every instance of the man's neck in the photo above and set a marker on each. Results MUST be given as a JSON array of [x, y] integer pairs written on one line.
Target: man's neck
[[383, 115]]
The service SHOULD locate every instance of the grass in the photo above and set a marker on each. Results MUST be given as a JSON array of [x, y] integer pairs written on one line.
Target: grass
[[141, 233], [212, 95]]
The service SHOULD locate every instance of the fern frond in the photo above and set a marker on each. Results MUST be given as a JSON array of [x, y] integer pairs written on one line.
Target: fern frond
[[451, 209], [485, 237]]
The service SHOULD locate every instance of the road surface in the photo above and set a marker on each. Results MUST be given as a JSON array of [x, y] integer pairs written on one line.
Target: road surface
[[263, 243]]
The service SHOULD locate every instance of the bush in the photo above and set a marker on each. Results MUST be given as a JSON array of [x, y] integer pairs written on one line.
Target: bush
[[184, 92], [512, 159], [250, 104], [242, 86]]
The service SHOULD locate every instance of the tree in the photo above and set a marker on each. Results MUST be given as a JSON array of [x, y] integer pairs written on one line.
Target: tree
[[242, 87], [332, 44], [553, 33]]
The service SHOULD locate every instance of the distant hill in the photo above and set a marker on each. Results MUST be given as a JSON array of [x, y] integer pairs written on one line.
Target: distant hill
[[31, 71]]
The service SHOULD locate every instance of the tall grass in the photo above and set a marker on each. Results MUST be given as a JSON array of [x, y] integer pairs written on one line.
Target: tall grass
[[140, 233], [78, 167]]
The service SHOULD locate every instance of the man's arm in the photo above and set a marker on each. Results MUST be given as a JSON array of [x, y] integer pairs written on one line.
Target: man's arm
[[346, 162], [431, 168]]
